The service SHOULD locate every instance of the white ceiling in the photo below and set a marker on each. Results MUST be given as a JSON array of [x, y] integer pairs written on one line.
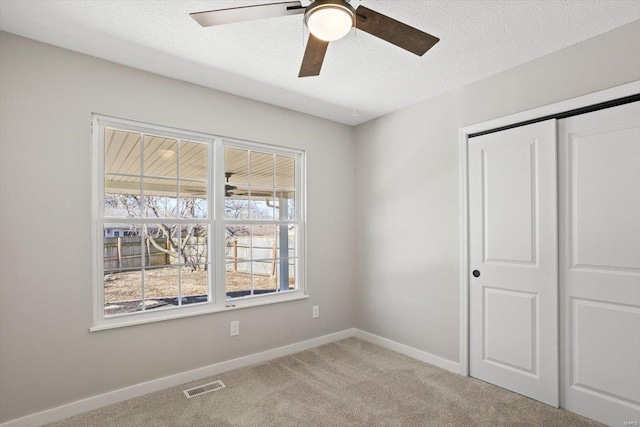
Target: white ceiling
[[362, 77]]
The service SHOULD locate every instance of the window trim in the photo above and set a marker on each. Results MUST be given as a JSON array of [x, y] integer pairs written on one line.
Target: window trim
[[217, 300]]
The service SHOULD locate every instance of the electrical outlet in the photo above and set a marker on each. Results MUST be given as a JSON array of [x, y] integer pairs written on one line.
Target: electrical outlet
[[316, 311], [235, 328]]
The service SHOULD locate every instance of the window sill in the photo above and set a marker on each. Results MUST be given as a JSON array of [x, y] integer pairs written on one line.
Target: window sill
[[120, 322]]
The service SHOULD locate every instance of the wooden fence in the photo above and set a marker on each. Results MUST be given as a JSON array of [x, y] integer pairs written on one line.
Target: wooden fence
[[123, 253], [239, 252], [120, 253]]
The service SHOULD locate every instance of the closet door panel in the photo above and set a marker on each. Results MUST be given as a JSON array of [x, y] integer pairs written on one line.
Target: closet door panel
[[599, 158], [513, 253]]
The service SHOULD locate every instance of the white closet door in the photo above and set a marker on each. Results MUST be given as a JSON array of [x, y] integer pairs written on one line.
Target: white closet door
[[513, 246], [599, 156]]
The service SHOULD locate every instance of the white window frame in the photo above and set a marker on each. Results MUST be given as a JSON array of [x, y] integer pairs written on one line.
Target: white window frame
[[217, 300]]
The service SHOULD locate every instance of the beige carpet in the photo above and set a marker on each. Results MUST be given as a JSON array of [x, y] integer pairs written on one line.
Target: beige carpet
[[348, 383]]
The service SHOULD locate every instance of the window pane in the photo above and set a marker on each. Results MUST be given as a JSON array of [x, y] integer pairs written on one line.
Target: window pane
[[121, 152], [194, 282], [122, 291], [262, 268], [261, 203], [285, 172], [193, 241], [236, 207], [265, 252], [194, 157], [286, 278], [193, 207], [230, 248], [160, 287], [292, 264], [160, 197], [160, 156], [120, 252], [161, 244], [287, 241], [261, 171], [121, 196], [238, 279], [286, 274], [286, 205], [236, 166], [237, 242], [264, 242], [263, 280]]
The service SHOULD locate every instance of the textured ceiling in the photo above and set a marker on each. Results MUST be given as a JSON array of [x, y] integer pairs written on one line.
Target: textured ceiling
[[362, 77]]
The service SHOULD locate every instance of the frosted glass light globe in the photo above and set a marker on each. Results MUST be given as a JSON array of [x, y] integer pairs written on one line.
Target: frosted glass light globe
[[329, 23]]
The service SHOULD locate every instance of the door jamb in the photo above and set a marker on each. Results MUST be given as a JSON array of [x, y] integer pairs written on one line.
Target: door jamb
[[463, 164]]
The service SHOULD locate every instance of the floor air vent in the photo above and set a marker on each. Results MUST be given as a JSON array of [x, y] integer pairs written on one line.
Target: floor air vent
[[202, 389]]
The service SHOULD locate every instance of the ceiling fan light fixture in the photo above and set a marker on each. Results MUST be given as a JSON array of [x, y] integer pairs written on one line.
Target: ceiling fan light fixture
[[327, 21], [330, 20]]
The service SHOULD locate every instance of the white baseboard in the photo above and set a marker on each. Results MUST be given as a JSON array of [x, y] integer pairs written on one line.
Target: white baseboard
[[95, 402], [409, 351]]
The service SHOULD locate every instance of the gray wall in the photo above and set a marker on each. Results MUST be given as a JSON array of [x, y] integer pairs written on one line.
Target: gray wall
[[407, 199], [48, 357]]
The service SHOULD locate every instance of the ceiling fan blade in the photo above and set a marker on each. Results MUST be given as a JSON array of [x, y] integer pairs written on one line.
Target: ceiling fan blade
[[313, 57], [247, 13], [395, 32]]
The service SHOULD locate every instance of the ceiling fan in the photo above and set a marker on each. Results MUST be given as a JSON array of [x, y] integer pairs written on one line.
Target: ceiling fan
[[327, 20], [228, 188], [232, 190]]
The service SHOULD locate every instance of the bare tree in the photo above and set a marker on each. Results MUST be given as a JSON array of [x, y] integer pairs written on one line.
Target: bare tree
[[236, 208], [175, 240]]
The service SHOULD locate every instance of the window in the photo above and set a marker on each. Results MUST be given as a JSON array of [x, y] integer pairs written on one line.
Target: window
[[188, 223], [260, 222]]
